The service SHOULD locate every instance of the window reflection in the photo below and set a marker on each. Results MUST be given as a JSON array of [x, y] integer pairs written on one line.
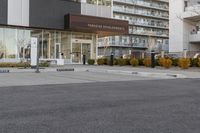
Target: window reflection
[[23, 43], [16, 43], [2, 45], [100, 2], [10, 39]]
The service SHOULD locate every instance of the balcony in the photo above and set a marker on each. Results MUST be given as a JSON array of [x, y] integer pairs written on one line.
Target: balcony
[[136, 12], [195, 37], [192, 12], [149, 24], [149, 33], [122, 44], [152, 5]]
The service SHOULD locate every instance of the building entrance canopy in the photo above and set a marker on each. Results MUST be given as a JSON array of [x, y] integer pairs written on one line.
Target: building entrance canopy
[[90, 24]]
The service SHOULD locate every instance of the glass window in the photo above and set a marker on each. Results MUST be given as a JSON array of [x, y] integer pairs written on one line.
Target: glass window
[[92, 1], [50, 38], [23, 43], [10, 40], [66, 45], [2, 45]]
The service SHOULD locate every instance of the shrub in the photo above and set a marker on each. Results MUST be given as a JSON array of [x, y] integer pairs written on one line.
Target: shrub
[[24, 64], [91, 61], [127, 61], [175, 61], [105, 61], [141, 62], [121, 62], [115, 62], [161, 61], [194, 62], [198, 63], [147, 62], [167, 63], [9, 64], [134, 62], [156, 62], [44, 64], [100, 61], [184, 63]]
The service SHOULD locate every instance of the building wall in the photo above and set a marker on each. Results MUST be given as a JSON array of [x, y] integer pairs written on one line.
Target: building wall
[[181, 25], [176, 26], [51, 15], [96, 10], [148, 24], [187, 28], [3, 11], [18, 12], [193, 2]]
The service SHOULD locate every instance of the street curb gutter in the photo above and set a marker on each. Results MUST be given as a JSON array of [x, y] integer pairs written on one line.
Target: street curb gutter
[[142, 74], [136, 73]]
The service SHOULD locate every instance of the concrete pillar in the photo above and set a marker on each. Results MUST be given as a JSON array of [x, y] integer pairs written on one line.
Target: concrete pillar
[[185, 54], [162, 54], [142, 55]]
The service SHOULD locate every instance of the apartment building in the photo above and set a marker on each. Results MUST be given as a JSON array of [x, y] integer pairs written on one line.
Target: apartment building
[[184, 26], [65, 29], [148, 27]]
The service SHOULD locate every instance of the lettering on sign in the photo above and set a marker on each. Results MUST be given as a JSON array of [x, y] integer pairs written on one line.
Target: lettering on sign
[[106, 27]]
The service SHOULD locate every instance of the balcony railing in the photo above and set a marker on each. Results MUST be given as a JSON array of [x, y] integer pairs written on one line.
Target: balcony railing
[[146, 33], [194, 37], [141, 13], [122, 44], [193, 8], [145, 4], [156, 25]]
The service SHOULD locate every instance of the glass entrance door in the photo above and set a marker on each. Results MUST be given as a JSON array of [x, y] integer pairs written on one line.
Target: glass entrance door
[[57, 51], [86, 50], [80, 49], [76, 52]]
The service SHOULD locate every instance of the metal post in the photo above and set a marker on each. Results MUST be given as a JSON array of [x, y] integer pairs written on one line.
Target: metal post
[[152, 59], [84, 59], [37, 64], [111, 59]]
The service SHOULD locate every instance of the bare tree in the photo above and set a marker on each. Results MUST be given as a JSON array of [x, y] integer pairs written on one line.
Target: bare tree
[[106, 44], [1, 50], [22, 44]]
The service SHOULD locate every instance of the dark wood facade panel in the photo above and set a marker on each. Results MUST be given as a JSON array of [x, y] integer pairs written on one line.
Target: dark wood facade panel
[[99, 25]]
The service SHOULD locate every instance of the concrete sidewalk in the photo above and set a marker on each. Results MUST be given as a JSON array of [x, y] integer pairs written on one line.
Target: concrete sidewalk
[[44, 78], [88, 74], [125, 70], [158, 71]]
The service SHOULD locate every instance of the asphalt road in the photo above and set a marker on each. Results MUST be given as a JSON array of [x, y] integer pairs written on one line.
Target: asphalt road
[[159, 106]]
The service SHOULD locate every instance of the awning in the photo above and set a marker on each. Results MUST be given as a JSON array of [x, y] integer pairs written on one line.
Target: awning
[[99, 25]]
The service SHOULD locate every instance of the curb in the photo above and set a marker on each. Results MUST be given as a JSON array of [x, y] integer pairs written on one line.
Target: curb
[[142, 74], [136, 73]]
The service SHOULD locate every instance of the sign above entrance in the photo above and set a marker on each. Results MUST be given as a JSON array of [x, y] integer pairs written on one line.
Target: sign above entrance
[[99, 25]]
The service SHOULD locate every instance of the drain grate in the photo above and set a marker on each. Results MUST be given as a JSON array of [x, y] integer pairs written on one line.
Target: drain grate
[[4, 71], [65, 70]]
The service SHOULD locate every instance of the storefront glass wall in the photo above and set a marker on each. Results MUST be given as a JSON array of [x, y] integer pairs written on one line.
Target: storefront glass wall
[[15, 44], [2, 46]]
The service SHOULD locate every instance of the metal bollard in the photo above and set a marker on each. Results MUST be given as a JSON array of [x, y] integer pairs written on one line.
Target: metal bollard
[[111, 60], [84, 59], [152, 59]]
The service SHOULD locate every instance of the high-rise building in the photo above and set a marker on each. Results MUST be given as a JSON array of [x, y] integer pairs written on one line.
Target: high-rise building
[[64, 29], [148, 27], [184, 26]]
